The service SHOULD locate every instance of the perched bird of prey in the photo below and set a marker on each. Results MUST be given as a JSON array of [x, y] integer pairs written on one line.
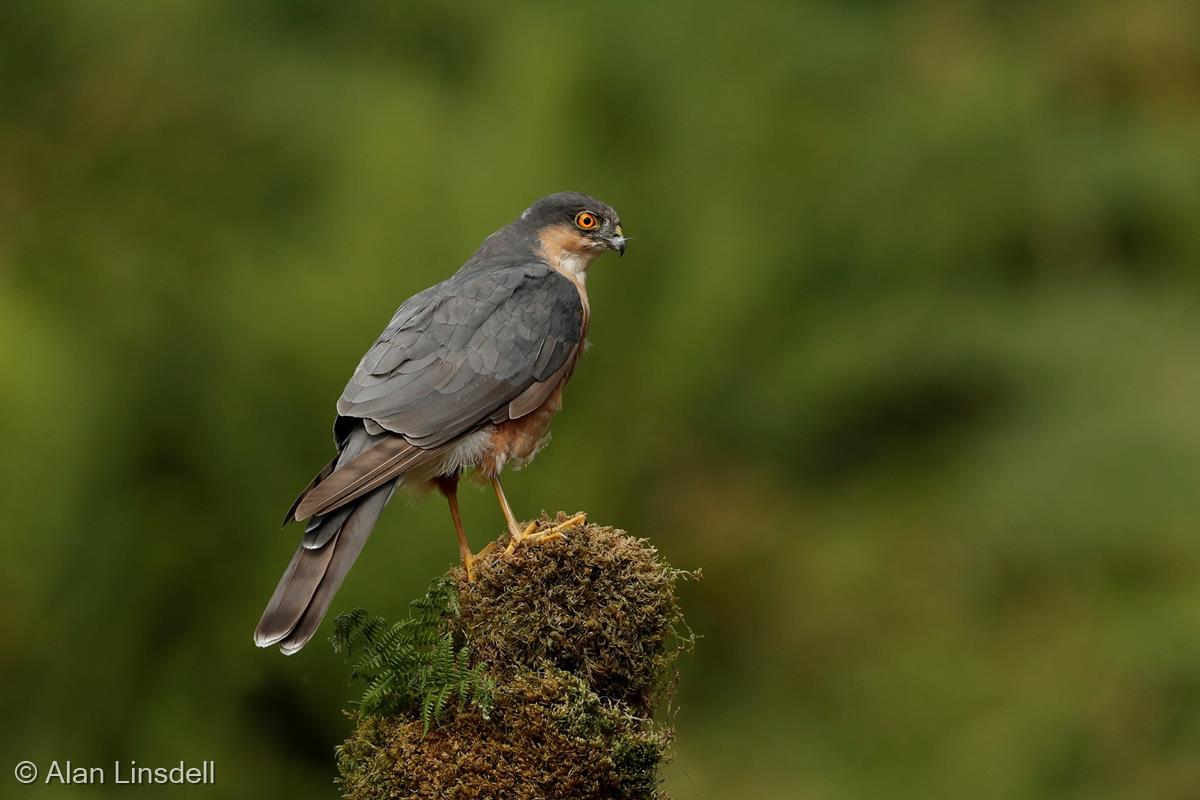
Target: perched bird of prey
[[466, 376]]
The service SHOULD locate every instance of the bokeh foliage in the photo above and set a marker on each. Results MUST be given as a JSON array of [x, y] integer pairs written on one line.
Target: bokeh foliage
[[905, 354]]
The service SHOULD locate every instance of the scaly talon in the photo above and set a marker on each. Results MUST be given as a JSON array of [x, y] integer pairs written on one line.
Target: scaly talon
[[469, 559], [516, 540], [545, 536], [578, 519], [548, 535]]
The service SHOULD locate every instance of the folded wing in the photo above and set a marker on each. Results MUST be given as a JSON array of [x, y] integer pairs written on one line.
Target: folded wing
[[481, 347]]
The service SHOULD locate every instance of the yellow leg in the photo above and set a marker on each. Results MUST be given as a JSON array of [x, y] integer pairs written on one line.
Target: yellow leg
[[514, 528], [449, 488], [528, 533]]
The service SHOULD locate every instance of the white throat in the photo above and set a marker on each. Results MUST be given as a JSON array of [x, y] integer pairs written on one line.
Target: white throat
[[575, 265]]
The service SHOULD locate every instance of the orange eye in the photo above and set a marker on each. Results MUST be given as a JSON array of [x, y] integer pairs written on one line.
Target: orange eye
[[586, 221]]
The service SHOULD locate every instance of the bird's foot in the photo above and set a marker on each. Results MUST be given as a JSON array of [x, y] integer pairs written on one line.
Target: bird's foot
[[531, 535], [550, 534], [469, 559]]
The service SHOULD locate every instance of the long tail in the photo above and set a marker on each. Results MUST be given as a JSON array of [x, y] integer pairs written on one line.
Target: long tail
[[331, 543], [314, 575]]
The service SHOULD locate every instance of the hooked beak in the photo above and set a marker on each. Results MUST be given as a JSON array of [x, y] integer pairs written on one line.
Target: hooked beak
[[617, 241]]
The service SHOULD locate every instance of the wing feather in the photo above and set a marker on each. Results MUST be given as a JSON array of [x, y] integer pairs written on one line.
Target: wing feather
[[372, 468], [458, 354], [484, 346]]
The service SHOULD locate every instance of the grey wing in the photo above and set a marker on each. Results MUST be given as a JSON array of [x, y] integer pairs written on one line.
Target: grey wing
[[456, 355]]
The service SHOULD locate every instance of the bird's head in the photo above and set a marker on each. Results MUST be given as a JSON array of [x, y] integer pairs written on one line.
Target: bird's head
[[573, 228]]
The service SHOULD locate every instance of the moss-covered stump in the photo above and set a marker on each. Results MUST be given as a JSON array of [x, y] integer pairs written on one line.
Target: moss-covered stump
[[548, 736], [578, 638]]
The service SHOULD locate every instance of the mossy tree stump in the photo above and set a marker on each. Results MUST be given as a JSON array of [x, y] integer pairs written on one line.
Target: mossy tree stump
[[578, 639]]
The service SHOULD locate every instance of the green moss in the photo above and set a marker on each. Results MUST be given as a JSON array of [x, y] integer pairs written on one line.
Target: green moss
[[548, 737], [580, 637], [600, 604]]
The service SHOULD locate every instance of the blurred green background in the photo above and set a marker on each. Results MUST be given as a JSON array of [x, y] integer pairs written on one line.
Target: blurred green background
[[905, 355]]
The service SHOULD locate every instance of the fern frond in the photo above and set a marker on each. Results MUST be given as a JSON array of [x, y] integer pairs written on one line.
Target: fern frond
[[413, 665]]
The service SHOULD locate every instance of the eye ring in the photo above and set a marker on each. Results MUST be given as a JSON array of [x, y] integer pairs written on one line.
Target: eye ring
[[586, 221]]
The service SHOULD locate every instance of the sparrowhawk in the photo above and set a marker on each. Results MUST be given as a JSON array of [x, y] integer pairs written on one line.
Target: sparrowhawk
[[466, 376]]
